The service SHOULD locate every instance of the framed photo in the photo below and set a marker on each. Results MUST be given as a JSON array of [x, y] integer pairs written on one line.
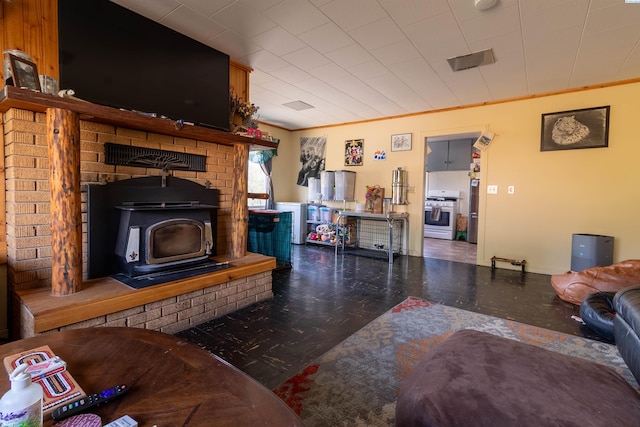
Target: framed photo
[[401, 142], [353, 152], [568, 130], [25, 73]]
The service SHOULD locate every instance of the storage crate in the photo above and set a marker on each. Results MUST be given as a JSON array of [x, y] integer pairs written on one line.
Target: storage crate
[[270, 235]]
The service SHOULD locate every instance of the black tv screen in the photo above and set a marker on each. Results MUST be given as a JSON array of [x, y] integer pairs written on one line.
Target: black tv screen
[[112, 56]]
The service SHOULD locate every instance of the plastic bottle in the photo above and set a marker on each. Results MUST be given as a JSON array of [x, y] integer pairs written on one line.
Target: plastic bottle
[[22, 405]]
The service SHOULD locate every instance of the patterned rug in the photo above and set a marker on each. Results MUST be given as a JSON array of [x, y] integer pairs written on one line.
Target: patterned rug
[[356, 382]]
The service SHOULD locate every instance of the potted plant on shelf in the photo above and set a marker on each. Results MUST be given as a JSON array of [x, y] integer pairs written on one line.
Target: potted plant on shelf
[[242, 115]]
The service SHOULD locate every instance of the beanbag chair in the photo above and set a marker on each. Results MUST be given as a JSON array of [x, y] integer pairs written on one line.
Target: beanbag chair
[[574, 286]]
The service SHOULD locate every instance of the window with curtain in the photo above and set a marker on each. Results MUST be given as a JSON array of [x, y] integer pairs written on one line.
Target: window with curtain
[[260, 163], [257, 183]]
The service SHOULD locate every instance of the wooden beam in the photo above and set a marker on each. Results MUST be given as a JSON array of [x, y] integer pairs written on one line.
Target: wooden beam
[[63, 140], [239, 208]]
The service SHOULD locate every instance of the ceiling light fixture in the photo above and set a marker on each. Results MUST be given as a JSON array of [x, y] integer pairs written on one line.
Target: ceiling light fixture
[[485, 4], [298, 105]]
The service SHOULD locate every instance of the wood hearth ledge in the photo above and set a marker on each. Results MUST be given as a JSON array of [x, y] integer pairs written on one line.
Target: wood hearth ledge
[[42, 312]]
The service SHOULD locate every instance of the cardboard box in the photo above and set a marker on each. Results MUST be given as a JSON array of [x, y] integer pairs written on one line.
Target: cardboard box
[[461, 223]]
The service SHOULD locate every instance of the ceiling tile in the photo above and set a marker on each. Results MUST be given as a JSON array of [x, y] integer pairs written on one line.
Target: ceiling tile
[[506, 20], [326, 38], [243, 20], [437, 38], [405, 12], [377, 34], [192, 24], [296, 16], [291, 74], [401, 51], [152, 9], [265, 61], [278, 41], [306, 58], [207, 7], [353, 14], [349, 56], [233, 45]]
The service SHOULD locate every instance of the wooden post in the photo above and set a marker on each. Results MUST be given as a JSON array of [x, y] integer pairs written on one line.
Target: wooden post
[[63, 139], [239, 207]]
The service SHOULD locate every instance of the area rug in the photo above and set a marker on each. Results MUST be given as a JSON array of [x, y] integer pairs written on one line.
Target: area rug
[[356, 382]]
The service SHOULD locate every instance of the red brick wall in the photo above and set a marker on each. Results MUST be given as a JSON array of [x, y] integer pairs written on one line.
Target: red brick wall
[[27, 186]]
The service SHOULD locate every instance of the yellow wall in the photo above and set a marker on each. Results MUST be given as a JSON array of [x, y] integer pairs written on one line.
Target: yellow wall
[[557, 193]]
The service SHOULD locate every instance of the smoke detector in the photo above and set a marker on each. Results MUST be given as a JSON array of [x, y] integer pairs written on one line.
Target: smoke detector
[[485, 4]]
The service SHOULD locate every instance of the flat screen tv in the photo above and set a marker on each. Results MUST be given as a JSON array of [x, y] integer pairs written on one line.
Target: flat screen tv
[[112, 56]]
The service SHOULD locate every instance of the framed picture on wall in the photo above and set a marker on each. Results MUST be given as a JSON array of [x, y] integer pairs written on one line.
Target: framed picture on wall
[[353, 152], [568, 130], [25, 73], [401, 142]]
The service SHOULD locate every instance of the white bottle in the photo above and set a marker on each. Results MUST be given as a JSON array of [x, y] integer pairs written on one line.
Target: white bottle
[[22, 405]]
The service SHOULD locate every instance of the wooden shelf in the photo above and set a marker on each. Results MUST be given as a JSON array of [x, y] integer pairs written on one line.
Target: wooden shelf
[[14, 97]]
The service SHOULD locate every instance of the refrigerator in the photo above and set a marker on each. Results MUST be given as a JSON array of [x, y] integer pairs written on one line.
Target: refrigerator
[[474, 204], [298, 221]]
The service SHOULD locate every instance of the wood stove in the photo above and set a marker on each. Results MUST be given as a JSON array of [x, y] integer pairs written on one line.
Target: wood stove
[[161, 236], [148, 225]]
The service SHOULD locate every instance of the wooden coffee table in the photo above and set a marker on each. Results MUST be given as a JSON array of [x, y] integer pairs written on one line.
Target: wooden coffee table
[[171, 382]]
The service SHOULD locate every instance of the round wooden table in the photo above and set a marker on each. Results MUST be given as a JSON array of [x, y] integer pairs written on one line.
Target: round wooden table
[[171, 382]]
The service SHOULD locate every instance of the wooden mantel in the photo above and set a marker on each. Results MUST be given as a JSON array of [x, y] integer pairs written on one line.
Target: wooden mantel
[[13, 97]]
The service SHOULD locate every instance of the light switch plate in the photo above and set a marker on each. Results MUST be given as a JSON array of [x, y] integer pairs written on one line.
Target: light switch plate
[[492, 189], [511, 189]]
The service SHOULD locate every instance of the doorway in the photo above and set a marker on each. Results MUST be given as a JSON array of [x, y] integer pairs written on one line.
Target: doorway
[[457, 178]]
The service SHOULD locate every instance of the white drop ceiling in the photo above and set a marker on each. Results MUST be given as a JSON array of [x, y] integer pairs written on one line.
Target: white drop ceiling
[[356, 60]]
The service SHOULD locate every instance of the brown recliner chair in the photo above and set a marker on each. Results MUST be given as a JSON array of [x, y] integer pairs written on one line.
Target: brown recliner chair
[[573, 286]]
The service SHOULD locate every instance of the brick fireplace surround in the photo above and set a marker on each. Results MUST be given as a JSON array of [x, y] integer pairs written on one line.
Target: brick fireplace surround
[[105, 302]]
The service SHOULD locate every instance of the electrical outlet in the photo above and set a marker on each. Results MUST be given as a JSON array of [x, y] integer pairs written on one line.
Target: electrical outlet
[[411, 189], [511, 189], [492, 189]]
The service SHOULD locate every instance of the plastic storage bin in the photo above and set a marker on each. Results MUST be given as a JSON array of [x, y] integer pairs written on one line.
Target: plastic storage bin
[[327, 184], [345, 182], [326, 214], [313, 212]]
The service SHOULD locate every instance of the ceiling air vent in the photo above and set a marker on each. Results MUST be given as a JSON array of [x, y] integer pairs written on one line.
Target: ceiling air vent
[[298, 105], [464, 62]]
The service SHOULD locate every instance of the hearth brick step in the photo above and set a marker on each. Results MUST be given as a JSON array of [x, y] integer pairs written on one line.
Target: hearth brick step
[[173, 314]]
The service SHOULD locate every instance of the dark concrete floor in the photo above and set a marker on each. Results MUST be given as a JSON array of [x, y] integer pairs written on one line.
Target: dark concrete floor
[[323, 299]]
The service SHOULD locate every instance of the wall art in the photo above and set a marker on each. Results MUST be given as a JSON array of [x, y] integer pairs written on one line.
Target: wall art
[[401, 142], [567, 130], [25, 73], [353, 152]]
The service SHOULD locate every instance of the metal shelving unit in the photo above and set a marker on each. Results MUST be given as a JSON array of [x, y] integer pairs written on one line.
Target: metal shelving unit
[[377, 235]]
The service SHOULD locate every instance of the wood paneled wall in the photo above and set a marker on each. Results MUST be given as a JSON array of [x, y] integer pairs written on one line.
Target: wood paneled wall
[[239, 80], [32, 27]]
